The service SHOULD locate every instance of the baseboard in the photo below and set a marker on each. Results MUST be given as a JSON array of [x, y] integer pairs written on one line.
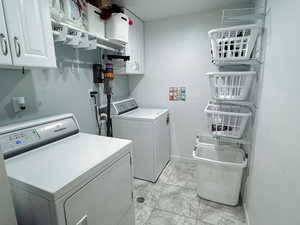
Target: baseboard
[[181, 157], [246, 214]]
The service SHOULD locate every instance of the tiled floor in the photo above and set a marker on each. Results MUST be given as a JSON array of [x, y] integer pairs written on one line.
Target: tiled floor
[[173, 201]]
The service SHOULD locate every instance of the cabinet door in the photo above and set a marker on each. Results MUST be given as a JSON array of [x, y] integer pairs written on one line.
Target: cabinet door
[[135, 46], [30, 33], [140, 44], [5, 57]]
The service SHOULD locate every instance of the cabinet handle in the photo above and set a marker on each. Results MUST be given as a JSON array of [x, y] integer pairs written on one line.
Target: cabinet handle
[[17, 46], [4, 46]]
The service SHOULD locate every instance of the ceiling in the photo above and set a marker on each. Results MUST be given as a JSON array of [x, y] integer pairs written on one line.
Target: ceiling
[[157, 9]]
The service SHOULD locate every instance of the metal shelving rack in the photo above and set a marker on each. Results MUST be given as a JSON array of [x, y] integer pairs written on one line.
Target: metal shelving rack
[[234, 17], [78, 38]]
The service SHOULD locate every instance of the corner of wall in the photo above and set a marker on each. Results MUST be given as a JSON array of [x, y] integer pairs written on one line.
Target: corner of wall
[[246, 214]]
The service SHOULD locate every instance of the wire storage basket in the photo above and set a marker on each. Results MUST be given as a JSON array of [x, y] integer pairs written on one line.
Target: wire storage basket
[[233, 43], [233, 86], [227, 120]]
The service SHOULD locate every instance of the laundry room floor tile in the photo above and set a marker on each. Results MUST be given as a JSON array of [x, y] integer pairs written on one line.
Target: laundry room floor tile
[[166, 173], [218, 216], [173, 200], [179, 200], [180, 173], [142, 214], [147, 190], [216, 210], [199, 222], [159, 217]]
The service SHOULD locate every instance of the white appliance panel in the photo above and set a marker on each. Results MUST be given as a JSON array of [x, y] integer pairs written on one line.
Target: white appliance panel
[[30, 208], [104, 200], [84, 153], [149, 130], [59, 179], [7, 212], [163, 144], [141, 133]]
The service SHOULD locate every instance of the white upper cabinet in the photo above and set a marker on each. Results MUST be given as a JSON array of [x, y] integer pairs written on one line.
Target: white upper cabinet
[[135, 46], [5, 57], [30, 34]]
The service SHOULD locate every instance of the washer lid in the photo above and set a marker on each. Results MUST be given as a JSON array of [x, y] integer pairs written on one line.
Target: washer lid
[[144, 114], [56, 168]]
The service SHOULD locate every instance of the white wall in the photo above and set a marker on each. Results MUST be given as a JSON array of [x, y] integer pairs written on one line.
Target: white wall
[[178, 54], [273, 189], [55, 91]]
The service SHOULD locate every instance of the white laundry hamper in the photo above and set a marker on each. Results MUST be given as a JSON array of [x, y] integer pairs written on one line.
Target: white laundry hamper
[[233, 43], [227, 120], [219, 172], [233, 86]]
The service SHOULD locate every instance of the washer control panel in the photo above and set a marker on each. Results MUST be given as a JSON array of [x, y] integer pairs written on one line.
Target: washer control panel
[[124, 106]]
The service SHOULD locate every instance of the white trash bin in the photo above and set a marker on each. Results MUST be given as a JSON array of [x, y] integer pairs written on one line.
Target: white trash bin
[[219, 172]]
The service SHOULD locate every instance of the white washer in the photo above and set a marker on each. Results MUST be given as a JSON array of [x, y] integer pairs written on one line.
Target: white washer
[[149, 129], [60, 176]]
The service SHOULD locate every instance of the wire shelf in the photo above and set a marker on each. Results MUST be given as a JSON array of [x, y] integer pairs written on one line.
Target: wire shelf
[[79, 38], [243, 16]]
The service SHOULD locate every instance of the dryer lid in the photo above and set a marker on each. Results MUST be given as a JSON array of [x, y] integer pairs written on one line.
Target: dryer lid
[[54, 169]]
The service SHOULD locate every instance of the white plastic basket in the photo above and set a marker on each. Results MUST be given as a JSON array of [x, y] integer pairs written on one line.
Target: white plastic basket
[[227, 120], [230, 85], [233, 43], [219, 172], [209, 142]]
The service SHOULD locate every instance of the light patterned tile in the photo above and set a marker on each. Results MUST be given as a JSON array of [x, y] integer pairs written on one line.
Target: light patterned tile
[[149, 191], [218, 216], [179, 200], [166, 173], [142, 214], [175, 200], [233, 211], [159, 217], [199, 222], [180, 173]]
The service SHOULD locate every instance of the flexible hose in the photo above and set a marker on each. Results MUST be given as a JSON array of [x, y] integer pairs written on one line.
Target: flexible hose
[[109, 130]]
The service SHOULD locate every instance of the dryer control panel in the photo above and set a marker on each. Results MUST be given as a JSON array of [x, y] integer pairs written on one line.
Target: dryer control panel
[[17, 139], [20, 139]]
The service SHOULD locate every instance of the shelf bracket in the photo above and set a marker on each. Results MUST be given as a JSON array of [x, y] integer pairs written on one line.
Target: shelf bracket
[[83, 42], [60, 33], [92, 44]]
